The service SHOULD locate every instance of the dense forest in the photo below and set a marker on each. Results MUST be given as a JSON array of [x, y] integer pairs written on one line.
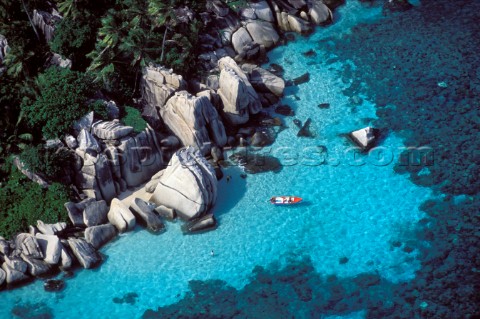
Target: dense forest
[[108, 43]]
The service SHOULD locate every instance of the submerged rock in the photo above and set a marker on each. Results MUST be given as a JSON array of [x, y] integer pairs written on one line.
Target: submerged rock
[[304, 78], [255, 163], [262, 138], [53, 285], [310, 53], [324, 105], [396, 6], [188, 185], [204, 223], [305, 130], [284, 110]]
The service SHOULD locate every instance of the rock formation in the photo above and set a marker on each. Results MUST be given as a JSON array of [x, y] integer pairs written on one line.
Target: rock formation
[[86, 255], [158, 85], [145, 214], [194, 120], [365, 138], [188, 185], [120, 216], [45, 22], [51, 248], [237, 94], [98, 236]]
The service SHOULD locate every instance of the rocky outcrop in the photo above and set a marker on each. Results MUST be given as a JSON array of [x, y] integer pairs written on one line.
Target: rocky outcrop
[[120, 216], [4, 247], [51, 248], [66, 259], [28, 245], [3, 277], [165, 212], [262, 11], [145, 214], [75, 211], [264, 81], [57, 60], [85, 123], [36, 267], [141, 157], [45, 22], [51, 229], [263, 33], [365, 138], [158, 85], [237, 94], [3, 48], [86, 255], [98, 236], [16, 263], [319, 12], [87, 143], [188, 185], [107, 166], [194, 120], [112, 130], [95, 213], [13, 276]]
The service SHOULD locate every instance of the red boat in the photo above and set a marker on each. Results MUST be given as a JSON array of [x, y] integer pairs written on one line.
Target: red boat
[[285, 200]]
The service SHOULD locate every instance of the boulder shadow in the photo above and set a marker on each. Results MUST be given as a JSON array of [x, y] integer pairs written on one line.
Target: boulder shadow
[[231, 189]]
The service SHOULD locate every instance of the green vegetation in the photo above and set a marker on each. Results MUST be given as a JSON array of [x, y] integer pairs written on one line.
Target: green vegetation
[[62, 99], [24, 202], [133, 118], [50, 161], [74, 39], [136, 32]]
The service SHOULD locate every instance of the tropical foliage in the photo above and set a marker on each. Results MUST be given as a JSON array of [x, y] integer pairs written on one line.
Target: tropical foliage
[[133, 118], [24, 202], [61, 100]]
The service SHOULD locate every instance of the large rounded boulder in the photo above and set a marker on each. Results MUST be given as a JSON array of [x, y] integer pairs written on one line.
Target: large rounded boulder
[[188, 185]]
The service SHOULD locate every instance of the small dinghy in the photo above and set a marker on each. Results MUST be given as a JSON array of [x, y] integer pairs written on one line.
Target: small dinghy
[[285, 200]]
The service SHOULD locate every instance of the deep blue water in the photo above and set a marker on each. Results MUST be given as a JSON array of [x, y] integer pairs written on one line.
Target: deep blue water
[[381, 235]]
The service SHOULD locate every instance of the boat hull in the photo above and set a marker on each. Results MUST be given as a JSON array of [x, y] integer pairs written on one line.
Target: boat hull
[[285, 200]]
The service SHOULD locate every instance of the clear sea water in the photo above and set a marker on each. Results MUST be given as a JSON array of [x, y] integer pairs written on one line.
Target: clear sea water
[[350, 210]]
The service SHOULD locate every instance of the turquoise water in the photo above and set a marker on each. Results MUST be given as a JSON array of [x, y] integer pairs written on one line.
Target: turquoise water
[[350, 210]]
